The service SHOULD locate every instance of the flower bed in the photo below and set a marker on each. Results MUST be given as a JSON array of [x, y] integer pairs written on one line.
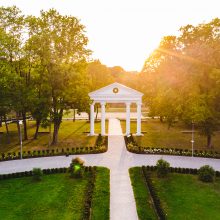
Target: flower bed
[[101, 146], [133, 147]]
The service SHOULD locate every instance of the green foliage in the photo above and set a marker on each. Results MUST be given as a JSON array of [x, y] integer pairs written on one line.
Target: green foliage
[[43, 61], [183, 195], [101, 195], [21, 198], [182, 78], [76, 168], [206, 173], [162, 168], [143, 201], [37, 174]]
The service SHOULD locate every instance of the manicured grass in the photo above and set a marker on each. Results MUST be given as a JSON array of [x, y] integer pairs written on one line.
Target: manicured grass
[[182, 196], [71, 134], [101, 195], [142, 197], [55, 197], [157, 134], [185, 197]]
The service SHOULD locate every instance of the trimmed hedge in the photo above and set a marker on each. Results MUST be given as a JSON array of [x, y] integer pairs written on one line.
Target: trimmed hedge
[[179, 170], [89, 194], [133, 147], [100, 147], [156, 200], [45, 171]]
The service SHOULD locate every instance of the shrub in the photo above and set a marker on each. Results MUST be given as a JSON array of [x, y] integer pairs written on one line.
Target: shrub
[[77, 168], [37, 174], [206, 173], [162, 168]]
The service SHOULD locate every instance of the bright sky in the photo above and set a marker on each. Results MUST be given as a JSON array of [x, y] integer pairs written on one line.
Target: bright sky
[[124, 32]]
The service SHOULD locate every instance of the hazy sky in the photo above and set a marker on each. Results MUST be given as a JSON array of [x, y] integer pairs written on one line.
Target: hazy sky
[[125, 32]]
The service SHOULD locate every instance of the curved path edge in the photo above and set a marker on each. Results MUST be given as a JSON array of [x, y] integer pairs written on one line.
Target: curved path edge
[[12, 166]]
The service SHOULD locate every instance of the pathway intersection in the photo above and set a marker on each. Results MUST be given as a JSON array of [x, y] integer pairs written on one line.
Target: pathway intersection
[[118, 160]]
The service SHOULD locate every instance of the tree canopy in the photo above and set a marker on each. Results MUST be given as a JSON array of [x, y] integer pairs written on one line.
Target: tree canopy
[[182, 77]]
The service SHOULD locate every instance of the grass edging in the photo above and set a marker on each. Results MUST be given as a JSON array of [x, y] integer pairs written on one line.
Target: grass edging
[[101, 195], [144, 203]]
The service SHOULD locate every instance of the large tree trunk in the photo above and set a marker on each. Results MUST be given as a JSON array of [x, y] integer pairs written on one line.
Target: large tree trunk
[[57, 122], [37, 128], [25, 125], [49, 140], [55, 134], [209, 141], [7, 130]]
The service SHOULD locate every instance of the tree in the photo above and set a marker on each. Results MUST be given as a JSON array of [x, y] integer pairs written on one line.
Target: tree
[[182, 78], [60, 45], [5, 100], [201, 49], [12, 24], [161, 71], [99, 76]]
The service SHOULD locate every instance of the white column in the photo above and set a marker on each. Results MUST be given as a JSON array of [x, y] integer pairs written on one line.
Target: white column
[[128, 118], [138, 119], [103, 118], [92, 119]]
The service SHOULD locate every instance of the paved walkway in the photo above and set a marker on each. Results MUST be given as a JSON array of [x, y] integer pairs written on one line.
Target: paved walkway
[[119, 160], [122, 202]]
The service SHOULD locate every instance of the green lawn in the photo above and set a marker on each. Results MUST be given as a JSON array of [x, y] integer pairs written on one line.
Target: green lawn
[[71, 134], [182, 196], [101, 198], [57, 196], [185, 197], [142, 197], [157, 134]]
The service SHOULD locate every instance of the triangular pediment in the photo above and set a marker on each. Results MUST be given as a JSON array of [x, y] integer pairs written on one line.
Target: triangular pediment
[[115, 90]]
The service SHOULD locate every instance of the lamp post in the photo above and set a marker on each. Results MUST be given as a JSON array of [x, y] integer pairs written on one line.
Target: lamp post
[[20, 123], [192, 141]]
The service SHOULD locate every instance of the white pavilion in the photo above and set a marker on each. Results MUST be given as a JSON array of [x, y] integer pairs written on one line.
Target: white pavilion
[[115, 93]]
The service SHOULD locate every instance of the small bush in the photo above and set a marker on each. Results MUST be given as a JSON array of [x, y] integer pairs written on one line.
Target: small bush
[[37, 174], [206, 173], [76, 168], [162, 168]]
